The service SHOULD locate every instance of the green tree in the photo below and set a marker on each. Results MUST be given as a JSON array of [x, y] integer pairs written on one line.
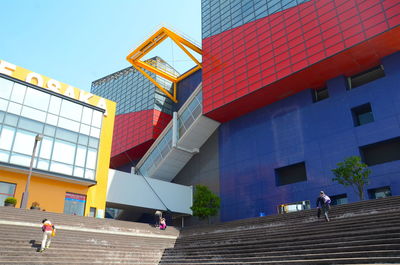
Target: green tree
[[205, 203], [352, 172]]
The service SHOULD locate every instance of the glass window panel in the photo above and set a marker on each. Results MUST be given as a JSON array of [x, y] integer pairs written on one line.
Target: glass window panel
[[33, 114], [7, 137], [3, 104], [61, 168], [4, 156], [52, 119], [14, 108], [93, 142], [87, 115], [78, 172], [68, 124], [37, 99], [67, 135], [49, 130], [19, 159], [43, 164], [24, 142], [85, 129], [91, 158], [64, 152], [31, 125], [18, 93], [89, 174], [2, 114], [54, 106], [97, 117], [11, 119], [83, 139], [80, 156], [5, 88], [45, 148], [94, 132], [71, 110]]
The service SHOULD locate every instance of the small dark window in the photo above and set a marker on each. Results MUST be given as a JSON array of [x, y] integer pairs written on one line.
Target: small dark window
[[381, 152], [320, 94], [338, 199], [366, 77], [362, 114], [377, 193], [290, 174]]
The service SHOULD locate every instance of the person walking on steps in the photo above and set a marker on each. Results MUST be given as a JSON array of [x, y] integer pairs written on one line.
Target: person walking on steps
[[324, 205], [48, 231]]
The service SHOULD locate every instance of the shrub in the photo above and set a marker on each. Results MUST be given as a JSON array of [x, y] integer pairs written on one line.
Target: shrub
[[11, 200]]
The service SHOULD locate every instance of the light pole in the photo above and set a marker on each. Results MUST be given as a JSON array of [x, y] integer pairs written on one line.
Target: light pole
[[25, 195]]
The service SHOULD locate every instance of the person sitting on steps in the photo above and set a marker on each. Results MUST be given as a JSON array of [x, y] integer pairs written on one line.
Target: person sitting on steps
[[163, 224]]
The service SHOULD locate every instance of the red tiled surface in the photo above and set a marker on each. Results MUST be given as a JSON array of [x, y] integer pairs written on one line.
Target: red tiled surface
[[271, 58], [134, 133]]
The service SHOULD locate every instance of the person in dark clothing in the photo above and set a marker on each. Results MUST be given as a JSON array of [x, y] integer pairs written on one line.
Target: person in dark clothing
[[324, 205]]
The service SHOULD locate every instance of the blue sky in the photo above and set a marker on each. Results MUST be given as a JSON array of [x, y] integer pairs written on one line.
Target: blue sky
[[79, 41]]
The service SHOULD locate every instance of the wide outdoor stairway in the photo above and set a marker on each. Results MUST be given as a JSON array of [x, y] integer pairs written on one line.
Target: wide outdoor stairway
[[79, 240], [366, 232]]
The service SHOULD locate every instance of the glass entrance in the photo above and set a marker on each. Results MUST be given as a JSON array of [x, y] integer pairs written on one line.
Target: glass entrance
[[74, 204]]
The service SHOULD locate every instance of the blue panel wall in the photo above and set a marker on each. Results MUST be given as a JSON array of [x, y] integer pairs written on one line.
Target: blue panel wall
[[186, 87], [321, 134]]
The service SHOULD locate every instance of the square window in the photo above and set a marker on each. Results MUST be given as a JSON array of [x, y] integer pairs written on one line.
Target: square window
[[366, 77], [381, 152], [362, 114], [381, 192], [339, 199], [291, 174], [320, 94]]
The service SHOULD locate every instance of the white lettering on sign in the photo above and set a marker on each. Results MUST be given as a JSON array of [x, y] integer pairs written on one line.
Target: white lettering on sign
[[7, 68], [54, 85], [34, 76], [70, 92], [102, 104], [84, 96]]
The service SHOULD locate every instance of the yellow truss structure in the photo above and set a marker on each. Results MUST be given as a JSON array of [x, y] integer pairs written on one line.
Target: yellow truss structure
[[152, 42]]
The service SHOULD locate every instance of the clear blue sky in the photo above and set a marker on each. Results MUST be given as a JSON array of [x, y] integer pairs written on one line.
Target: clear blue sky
[[79, 41]]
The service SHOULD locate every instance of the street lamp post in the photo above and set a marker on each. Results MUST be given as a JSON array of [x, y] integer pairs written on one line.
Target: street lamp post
[[25, 195]]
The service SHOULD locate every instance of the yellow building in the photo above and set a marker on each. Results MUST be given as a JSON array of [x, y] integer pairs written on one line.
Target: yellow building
[[73, 131]]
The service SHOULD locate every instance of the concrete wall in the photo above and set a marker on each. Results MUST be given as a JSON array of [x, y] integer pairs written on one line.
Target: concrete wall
[[130, 189], [202, 169], [321, 134]]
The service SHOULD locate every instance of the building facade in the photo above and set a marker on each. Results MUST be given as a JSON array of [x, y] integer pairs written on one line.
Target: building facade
[[299, 86], [295, 88], [142, 111], [70, 165]]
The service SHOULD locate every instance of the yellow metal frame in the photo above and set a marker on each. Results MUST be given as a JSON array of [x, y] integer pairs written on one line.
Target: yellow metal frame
[[152, 42]]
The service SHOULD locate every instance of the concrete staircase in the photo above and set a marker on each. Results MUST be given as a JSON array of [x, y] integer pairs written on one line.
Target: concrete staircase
[[79, 240], [365, 232]]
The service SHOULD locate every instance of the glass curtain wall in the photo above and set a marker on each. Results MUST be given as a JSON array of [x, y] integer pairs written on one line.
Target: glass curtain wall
[[71, 131]]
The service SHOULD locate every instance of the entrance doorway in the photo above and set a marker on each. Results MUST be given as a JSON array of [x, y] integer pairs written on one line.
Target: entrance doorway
[[74, 204]]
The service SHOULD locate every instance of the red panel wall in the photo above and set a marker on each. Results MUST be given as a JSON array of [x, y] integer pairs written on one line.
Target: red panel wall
[[134, 133], [301, 47]]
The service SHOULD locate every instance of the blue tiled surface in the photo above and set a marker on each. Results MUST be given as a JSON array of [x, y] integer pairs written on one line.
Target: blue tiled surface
[[296, 129], [186, 87]]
